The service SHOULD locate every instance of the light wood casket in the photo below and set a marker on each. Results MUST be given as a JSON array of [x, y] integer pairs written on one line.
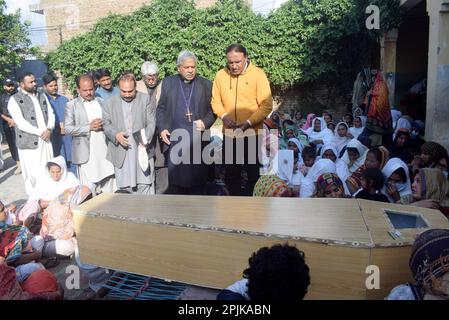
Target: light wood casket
[[207, 240]]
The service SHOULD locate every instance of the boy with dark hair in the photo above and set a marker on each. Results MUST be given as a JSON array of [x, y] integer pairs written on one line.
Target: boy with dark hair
[[279, 273], [372, 181], [308, 155]]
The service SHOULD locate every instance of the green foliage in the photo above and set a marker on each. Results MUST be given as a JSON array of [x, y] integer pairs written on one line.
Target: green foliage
[[14, 42], [302, 41]]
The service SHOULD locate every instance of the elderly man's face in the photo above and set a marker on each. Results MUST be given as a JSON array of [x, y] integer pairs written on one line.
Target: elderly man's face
[[187, 69], [150, 80], [127, 90], [236, 62]]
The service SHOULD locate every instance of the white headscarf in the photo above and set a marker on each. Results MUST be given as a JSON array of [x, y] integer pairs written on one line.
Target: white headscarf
[[283, 165], [341, 167], [357, 131], [298, 144], [391, 166], [324, 134], [300, 148], [320, 167], [402, 123], [49, 189], [340, 142], [354, 143]]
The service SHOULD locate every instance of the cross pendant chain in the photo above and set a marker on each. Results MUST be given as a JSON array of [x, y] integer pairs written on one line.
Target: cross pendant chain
[[189, 115], [187, 101]]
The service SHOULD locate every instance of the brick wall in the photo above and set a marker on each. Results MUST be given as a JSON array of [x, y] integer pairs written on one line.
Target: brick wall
[[316, 98]]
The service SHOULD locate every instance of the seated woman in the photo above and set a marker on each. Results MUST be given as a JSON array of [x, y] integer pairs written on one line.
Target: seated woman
[[399, 148], [329, 185], [372, 183], [58, 231], [271, 186], [429, 263], [341, 137], [359, 126], [431, 152], [376, 158], [331, 127], [309, 122], [348, 118], [279, 273], [295, 145], [355, 155], [330, 152], [40, 285], [397, 181], [48, 187], [298, 118], [288, 131], [285, 166], [308, 184], [430, 189], [19, 249], [319, 134]]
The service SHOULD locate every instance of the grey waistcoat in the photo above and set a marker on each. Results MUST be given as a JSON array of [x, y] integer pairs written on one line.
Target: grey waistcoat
[[27, 140]]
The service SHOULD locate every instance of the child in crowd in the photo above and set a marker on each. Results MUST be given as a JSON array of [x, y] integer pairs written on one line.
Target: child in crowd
[[372, 182], [308, 158]]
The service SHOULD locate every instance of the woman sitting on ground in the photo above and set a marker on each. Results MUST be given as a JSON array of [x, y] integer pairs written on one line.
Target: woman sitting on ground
[[355, 155], [330, 152], [289, 130], [319, 134], [18, 248], [431, 152], [399, 148], [397, 181], [376, 158], [58, 231], [329, 185], [359, 126], [48, 187], [341, 138], [429, 263], [309, 122], [430, 189], [40, 285], [308, 184]]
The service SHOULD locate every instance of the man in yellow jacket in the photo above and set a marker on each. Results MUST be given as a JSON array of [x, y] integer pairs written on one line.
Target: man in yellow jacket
[[241, 97]]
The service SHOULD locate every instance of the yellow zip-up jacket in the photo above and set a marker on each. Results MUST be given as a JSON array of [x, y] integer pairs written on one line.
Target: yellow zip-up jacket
[[243, 97]]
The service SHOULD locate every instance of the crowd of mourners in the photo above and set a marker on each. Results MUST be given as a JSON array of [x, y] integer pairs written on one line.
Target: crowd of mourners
[[116, 139]]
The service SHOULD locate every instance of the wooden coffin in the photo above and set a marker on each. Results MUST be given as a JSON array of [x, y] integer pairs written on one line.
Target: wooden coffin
[[207, 240]]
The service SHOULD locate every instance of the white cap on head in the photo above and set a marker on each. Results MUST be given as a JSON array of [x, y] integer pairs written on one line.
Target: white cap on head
[[149, 68]]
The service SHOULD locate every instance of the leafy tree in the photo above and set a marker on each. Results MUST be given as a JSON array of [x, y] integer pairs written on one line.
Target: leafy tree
[[301, 42], [14, 41]]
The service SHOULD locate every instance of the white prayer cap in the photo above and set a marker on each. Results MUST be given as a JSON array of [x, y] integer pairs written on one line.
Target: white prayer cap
[[149, 68]]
